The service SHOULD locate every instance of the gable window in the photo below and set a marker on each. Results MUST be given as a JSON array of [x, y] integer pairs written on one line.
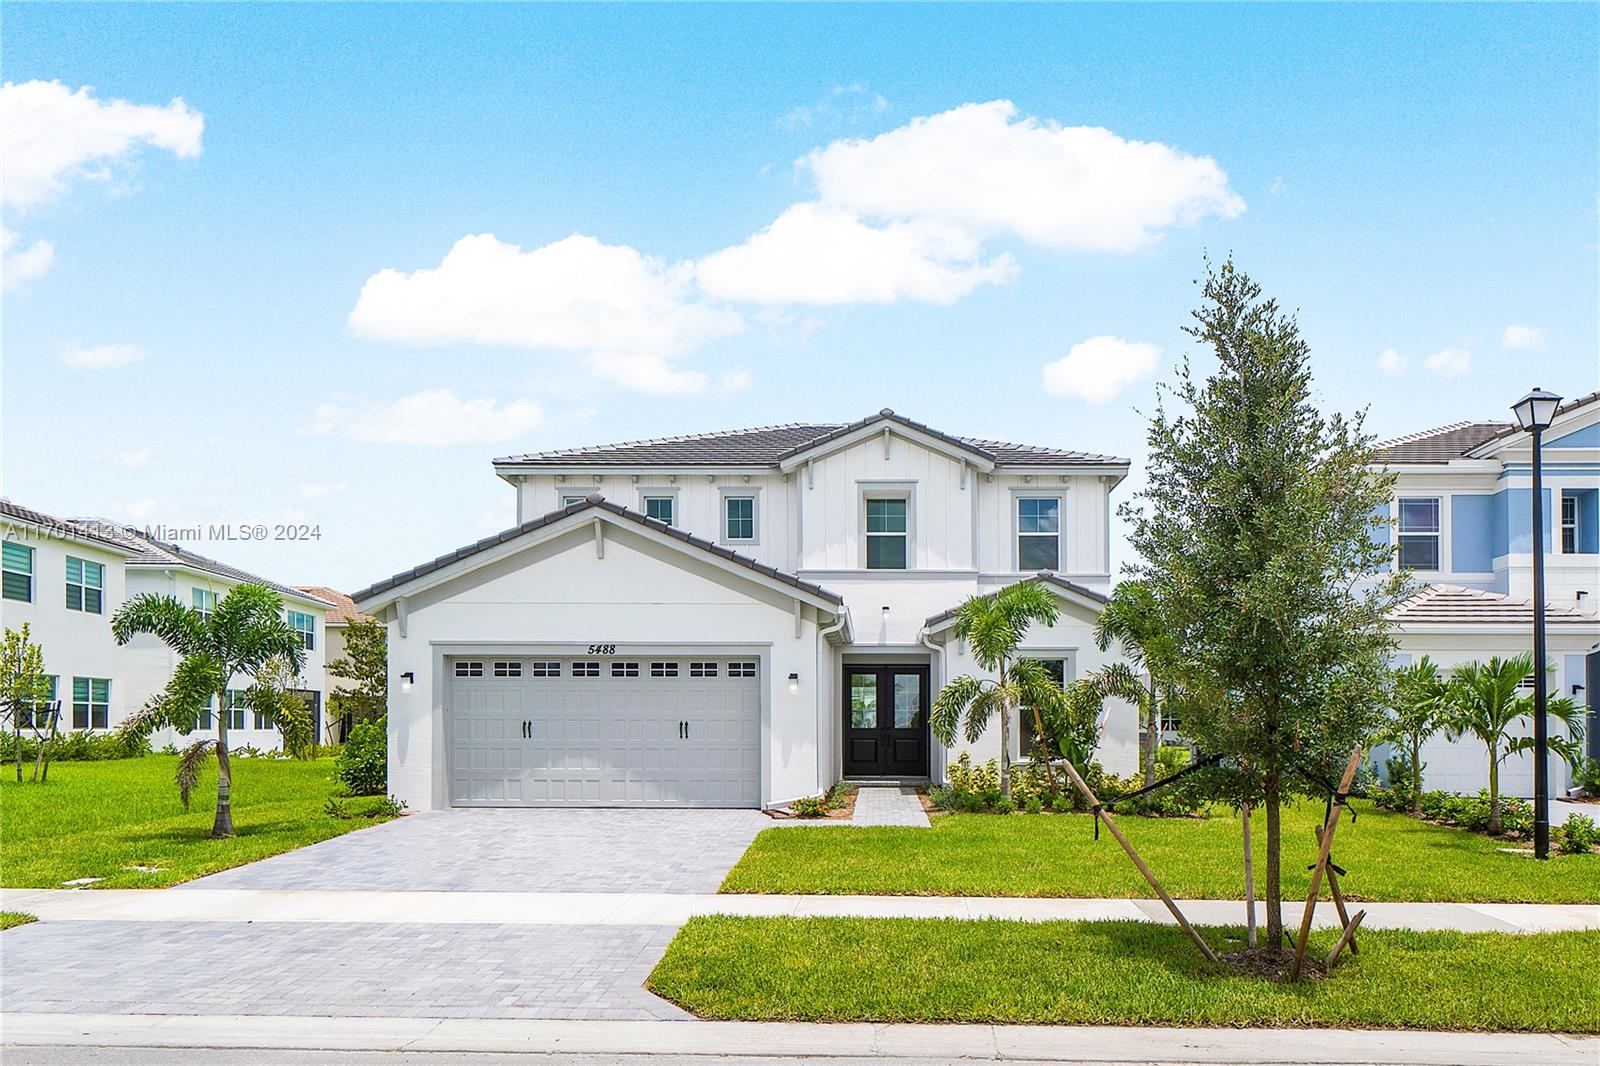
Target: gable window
[[568, 501], [91, 702], [204, 601], [306, 625], [18, 572], [659, 508], [1419, 533], [1038, 533], [886, 533], [85, 586], [739, 518]]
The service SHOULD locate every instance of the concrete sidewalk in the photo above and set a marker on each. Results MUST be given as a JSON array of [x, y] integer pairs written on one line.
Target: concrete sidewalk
[[780, 1040], [673, 909]]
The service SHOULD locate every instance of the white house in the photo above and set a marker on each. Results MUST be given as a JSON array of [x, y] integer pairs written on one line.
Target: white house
[[67, 577], [731, 619], [336, 623], [1462, 521]]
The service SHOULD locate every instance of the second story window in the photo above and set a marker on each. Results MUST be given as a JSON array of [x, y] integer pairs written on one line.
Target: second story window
[[1569, 524], [886, 533], [204, 601], [1038, 533], [306, 625], [1419, 533], [739, 518], [18, 572], [85, 586], [659, 508]]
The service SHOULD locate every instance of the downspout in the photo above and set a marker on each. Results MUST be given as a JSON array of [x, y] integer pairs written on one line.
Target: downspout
[[828, 721], [937, 650]]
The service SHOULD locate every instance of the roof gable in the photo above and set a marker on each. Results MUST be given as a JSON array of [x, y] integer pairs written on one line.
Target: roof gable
[[1569, 417], [1069, 591], [1439, 445]]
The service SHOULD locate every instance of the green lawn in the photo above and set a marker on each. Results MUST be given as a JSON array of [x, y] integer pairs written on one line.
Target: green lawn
[[1389, 857], [12, 919], [99, 819], [1116, 973]]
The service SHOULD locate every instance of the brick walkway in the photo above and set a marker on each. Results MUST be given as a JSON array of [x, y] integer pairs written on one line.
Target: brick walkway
[[889, 806]]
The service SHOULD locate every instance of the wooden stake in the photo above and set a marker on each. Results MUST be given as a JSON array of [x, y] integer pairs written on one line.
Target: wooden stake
[[1111, 826], [1338, 902], [1326, 845], [1249, 882], [1347, 937]]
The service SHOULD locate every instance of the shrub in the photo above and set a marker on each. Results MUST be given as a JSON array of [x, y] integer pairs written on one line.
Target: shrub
[[1005, 805], [363, 765], [1578, 835], [809, 807], [1061, 803], [1033, 804], [942, 798], [838, 794], [1587, 777], [79, 746]]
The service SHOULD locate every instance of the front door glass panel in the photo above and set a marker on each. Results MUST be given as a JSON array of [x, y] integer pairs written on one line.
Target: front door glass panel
[[907, 700], [886, 721], [863, 701]]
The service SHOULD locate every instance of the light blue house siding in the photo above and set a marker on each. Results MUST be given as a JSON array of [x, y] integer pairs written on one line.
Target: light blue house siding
[[1587, 437], [1472, 532], [1588, 518], [1513, 522]]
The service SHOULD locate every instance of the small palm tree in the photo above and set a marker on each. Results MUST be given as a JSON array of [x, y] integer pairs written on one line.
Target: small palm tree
[[1132, 619], [993, 626], [244, 634], [1483, 700], [1420, 711]]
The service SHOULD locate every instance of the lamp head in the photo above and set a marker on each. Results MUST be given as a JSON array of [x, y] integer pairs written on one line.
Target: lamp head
[[1536, 410]]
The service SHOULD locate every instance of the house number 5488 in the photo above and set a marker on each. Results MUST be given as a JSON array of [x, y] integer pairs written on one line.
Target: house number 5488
[[602, 649]]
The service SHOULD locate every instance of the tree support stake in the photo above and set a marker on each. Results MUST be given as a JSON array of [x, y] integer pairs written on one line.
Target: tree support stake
[[1325, 839]]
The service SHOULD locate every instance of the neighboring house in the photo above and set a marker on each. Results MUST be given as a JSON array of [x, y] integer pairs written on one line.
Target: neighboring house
[[67, 577], [1462, 515], [335, 623], [732, 619]]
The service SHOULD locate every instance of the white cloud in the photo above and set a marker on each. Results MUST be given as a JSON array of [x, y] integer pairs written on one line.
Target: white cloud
[[18, 264], [433, 417], [102, 356], [318, 489], [138, 509], [646, 373], [1097, 369], [50, 134], [1522, 338], [1451, 362], [736, 380], [844, 102], [1391, 362], [980, 168], [816, 254], [577, 294], [131, 459]]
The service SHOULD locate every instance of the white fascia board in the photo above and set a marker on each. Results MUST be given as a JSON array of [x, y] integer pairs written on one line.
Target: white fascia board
[[1451, 466], [230, 582], [1556, 627], [874, 430], [1042, 470], [578, 520], [579, 474]]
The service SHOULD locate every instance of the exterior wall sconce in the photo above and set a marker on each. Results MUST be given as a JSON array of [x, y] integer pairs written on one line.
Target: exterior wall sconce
[[407, 680], [794, 684], [1576, 688]]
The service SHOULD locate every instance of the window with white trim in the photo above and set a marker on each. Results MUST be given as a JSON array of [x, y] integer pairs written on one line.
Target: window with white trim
[[91, 702], [586, 668], [469, 667], [509, 668], [262, 721], [742, 669], [306, 625], [38, 716], [703, 669], [739, 518], [86, 583], [540, 668], [1419, 532], [17, 578], [663, 669], [1038, 533], [887, 532], [568, 501], [236, 710], [625, 669], [204, 601], [659, 508]]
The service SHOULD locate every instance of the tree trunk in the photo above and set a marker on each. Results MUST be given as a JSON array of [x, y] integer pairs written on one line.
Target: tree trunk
[[223, 826], [1152, 734], [42, 767], [1416, 777], [1005, 736], [16, 735], [1273, 899], [1494, 791]]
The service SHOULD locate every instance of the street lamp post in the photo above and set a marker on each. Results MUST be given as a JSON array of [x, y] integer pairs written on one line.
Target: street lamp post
[[1535, 412]]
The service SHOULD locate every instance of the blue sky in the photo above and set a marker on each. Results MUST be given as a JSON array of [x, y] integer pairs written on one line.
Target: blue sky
[[1412, 179]]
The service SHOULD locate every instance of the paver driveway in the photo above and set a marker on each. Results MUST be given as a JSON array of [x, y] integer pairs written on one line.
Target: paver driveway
[[522, 850]]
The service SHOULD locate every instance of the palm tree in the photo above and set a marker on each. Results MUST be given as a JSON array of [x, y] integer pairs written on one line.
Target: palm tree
[[1420, 710], [1132, 619], [993, 626], [1483, 700], [243, 634]]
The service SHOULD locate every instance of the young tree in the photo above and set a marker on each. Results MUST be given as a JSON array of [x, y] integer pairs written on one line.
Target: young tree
[[993, 626], [24, 689], [276, 698], [1254, 538], [243, 634], [366, 662], [1482, 699], [1132, 619], [1419, 712]]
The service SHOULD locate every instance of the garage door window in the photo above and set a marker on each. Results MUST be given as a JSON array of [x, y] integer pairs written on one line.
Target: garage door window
[[663, 669], [745, 669], [702, 669], [544, 668], [469, 668], [508, 668], [585, 668], [629, 669]]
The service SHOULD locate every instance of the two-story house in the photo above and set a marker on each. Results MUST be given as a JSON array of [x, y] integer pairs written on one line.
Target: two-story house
[[732, 619], [67, 577], [1462, 524]]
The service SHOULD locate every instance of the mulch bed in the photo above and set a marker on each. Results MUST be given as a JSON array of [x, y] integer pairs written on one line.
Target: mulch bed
[[1273, 963]]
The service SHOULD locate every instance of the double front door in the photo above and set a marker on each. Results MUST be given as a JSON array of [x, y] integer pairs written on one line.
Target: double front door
[[886, 721]]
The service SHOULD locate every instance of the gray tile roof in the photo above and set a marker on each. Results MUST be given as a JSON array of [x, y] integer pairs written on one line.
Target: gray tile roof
[[1439, 445], [1048, 577], [1456, 604], [771, 445], [146, 551], [596, 501], [1570, 405], [63, 526]]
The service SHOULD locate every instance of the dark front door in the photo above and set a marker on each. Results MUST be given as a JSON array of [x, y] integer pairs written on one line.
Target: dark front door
[[886, 721]]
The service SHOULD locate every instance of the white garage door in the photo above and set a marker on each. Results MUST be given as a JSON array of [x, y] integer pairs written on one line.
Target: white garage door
[[622, 732]]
